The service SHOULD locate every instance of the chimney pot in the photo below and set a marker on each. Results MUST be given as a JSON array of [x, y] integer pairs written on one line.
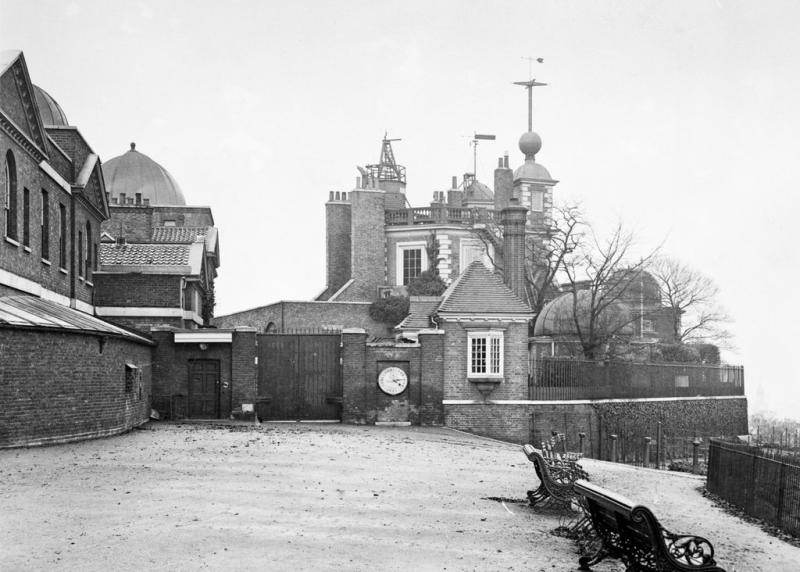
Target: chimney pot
[[499, 162], [455, 182], [138, 198]]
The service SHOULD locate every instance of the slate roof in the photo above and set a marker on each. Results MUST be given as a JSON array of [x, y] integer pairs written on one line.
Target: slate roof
[[149, 254], [178, 234], [28, 311], [419, 313], [479, 291]]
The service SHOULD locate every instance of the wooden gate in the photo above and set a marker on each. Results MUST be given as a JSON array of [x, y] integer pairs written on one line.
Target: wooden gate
[[299, 377], [204, 388]]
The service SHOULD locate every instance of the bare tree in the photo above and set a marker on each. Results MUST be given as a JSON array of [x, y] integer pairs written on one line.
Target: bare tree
[[545, 256], [598, 277], [692, 296]]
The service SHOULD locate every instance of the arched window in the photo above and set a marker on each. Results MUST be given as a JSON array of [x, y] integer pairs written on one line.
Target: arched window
[[89, 243], [10, 196]]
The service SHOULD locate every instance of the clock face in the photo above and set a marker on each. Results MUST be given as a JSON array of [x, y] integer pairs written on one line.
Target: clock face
[[392, 380]]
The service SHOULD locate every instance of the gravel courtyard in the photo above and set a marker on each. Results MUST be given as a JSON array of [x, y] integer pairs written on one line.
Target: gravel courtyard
[[318, 497]]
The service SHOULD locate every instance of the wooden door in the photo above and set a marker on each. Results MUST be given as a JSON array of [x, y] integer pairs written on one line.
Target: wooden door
[[299, 377], [204, 385]]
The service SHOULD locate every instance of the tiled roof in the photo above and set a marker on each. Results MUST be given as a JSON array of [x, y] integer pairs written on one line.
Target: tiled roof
[[28, 311], [149, 254], [479, 291], [419, 313], [178, 234]]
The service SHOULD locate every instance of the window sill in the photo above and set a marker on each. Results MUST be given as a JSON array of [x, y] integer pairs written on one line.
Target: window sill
[[46, 262], [11, 241], [63, 271], [27, 249], [90, 284], [485, 378]]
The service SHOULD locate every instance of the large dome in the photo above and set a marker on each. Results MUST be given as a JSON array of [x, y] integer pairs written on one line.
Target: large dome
[[135, 172], [557, 317], [49, 109]]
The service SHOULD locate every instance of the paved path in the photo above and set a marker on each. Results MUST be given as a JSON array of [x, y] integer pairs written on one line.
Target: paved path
[[309, 497]]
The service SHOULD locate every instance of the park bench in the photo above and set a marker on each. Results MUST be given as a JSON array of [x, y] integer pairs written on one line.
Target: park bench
[[556, 479], [632, 533]]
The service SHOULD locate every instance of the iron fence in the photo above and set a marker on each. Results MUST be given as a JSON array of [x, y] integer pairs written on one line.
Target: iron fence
[[555, 378], [760, 481]]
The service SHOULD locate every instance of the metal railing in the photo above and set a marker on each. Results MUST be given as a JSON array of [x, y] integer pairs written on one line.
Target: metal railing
[[764, 487], [566, 378]]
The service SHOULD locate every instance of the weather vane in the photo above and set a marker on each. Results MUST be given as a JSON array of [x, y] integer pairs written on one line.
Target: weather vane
[[531, 83]]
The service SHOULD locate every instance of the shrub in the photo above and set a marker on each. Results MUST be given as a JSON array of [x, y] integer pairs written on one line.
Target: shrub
[[390, 310], [427, 284]]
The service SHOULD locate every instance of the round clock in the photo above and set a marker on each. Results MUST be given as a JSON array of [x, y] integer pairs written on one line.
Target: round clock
[[392, 380]]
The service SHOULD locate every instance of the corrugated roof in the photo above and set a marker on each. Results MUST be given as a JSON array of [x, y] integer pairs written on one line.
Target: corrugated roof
[[419, 313], [179, 234], [147, 254], [28, 311], [479, 291]]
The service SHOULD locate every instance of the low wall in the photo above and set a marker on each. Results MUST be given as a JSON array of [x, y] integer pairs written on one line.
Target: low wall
[[298, 316], [631, 420], [58, 386]]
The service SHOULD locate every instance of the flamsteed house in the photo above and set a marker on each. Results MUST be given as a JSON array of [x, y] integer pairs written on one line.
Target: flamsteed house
[[107, 296]]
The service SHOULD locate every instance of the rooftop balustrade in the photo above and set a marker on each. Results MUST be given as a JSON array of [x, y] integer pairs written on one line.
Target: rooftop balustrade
[[439, 215]]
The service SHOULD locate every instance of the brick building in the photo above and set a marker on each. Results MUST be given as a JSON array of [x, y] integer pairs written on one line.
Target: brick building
[[64, 374], [158, 256]]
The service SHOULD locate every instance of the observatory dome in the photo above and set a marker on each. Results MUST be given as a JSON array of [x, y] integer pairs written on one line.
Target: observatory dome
[[135, 172], [49, 109]]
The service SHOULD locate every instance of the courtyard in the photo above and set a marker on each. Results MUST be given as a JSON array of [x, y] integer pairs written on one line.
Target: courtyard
[[319, 497]]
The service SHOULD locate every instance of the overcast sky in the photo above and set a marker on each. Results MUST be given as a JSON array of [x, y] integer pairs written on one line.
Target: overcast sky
[[679, 118]]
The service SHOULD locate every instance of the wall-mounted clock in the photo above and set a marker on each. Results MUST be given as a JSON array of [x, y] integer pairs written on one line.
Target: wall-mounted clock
[[392, 380]]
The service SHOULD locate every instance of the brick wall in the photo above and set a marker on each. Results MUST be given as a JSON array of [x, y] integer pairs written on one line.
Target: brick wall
[[515, 358], [133, 223], [364, 402], [57, 387], [306, 315], [27, 263], [237, 368], [137, 290], [504, 422]]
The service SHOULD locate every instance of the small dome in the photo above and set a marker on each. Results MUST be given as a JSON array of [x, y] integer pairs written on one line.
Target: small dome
[[530, 169], [530, 143], [49, 109], [135, 172], [556, 318]]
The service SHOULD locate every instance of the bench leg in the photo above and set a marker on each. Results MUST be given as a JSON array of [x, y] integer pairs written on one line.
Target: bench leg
[[585, 562], [537, 496]]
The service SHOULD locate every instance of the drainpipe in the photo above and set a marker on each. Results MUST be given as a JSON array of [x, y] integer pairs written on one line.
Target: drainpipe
[[182, 296]]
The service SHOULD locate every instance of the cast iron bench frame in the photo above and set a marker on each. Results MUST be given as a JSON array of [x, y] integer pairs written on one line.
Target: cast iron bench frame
[[555, 479], [633, 534]]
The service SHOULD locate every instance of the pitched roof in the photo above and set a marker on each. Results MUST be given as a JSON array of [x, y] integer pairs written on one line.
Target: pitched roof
[[479, 291], [149, 254], [179, 234], [28, 311], [419, 313]]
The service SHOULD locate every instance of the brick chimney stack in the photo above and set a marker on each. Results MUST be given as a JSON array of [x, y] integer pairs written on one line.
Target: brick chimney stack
[[503, 184], [512, 219]]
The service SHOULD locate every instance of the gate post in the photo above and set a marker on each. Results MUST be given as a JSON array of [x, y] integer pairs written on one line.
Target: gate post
[[354, 355]]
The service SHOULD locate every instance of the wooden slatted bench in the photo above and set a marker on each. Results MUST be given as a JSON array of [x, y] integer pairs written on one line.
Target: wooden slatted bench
[[555, 480], [633, 534]]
